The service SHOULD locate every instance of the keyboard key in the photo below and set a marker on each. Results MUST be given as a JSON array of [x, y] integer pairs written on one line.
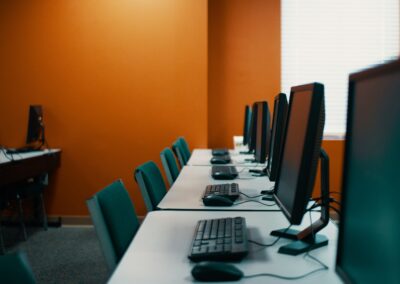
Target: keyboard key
[[228, 240]]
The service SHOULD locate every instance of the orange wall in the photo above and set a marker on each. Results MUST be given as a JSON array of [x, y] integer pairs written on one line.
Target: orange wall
[[244, 66], [244, 62], [119, 81]]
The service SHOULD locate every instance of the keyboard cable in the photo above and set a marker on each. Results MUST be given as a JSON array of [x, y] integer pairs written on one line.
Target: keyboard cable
[[252, 200], [323, 265], [248, 196]]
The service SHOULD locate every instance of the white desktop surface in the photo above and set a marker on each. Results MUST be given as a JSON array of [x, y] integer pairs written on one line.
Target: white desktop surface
[[158, 253], [201, 157], [6, 158], [187, 191]]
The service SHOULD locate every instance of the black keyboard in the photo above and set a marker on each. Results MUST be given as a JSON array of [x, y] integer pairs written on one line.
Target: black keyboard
[[220, 239], [228, 190], [220, 152], [224, 172]]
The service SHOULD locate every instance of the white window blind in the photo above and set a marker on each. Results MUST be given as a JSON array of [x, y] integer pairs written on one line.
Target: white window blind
[[326, 40]]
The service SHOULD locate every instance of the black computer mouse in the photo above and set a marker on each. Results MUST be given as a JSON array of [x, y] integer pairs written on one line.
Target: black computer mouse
[[218, 160], [216, 271], [217, 200]]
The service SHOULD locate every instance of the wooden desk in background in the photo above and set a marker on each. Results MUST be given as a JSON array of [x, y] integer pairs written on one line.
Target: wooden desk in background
[[27, 165]]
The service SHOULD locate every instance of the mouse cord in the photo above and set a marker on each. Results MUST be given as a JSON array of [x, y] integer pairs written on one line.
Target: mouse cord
[[247, 177], [283, 276], [248, 196], [245, 168], [323, 265], [308, 254], [242, 170], [251, 200], [9, 157], [270, 244]]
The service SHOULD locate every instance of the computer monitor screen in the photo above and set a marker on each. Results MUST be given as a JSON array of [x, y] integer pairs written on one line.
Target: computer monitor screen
[[304, 128], [246, 126], [262, 133], [253, 128], [368, 247], [277, 133], [35, 124]]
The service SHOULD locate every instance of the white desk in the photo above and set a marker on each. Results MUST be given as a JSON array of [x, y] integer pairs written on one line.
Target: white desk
[[7, 158], [158, 253], [201, 157], [188, 189]]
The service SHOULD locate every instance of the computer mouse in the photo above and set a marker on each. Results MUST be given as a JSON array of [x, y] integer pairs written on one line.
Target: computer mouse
[[216, 271], [218, 160], [217, 200]]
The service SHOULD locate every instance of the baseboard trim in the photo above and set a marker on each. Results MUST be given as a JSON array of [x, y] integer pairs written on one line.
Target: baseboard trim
[[74, 220]]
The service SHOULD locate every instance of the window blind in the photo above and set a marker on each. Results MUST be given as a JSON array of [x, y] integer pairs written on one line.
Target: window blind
[[326, 40]]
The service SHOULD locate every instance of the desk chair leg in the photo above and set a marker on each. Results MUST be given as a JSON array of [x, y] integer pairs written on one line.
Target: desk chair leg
[[2, 247], [44, 216], [21, 218]]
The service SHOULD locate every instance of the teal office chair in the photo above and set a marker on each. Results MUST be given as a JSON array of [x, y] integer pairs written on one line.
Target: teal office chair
[[181, 151], [185, 148], [15, 268], [177, 148], [170, 165], [151, 184], [115, 221]]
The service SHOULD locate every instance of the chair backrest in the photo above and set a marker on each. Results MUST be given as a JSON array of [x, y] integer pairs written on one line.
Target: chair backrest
[[170, 165], [185, 148], [177, 148], [15, 268], [151, 184], [115, 221]]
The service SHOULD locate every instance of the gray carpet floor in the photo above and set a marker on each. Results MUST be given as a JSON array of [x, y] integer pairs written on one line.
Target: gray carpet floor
[[61, 255]]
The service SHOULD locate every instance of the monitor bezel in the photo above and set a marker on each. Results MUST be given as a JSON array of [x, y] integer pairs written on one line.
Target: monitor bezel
[[310, 155], [261, 147], [247, 125], [35, 126], [277, 135], [253, 128], [354, 78]]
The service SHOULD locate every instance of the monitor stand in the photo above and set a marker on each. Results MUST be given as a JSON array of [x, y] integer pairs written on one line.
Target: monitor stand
[[249, 152], [308, 239], [259, 173], [268, 195], [250, 160]]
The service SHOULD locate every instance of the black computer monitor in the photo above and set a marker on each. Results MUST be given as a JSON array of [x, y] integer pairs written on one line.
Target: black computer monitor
[[369, 230], [263, 119], [277, 133], [246, 126], [301, 150], [253, 128], [35, 125]]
